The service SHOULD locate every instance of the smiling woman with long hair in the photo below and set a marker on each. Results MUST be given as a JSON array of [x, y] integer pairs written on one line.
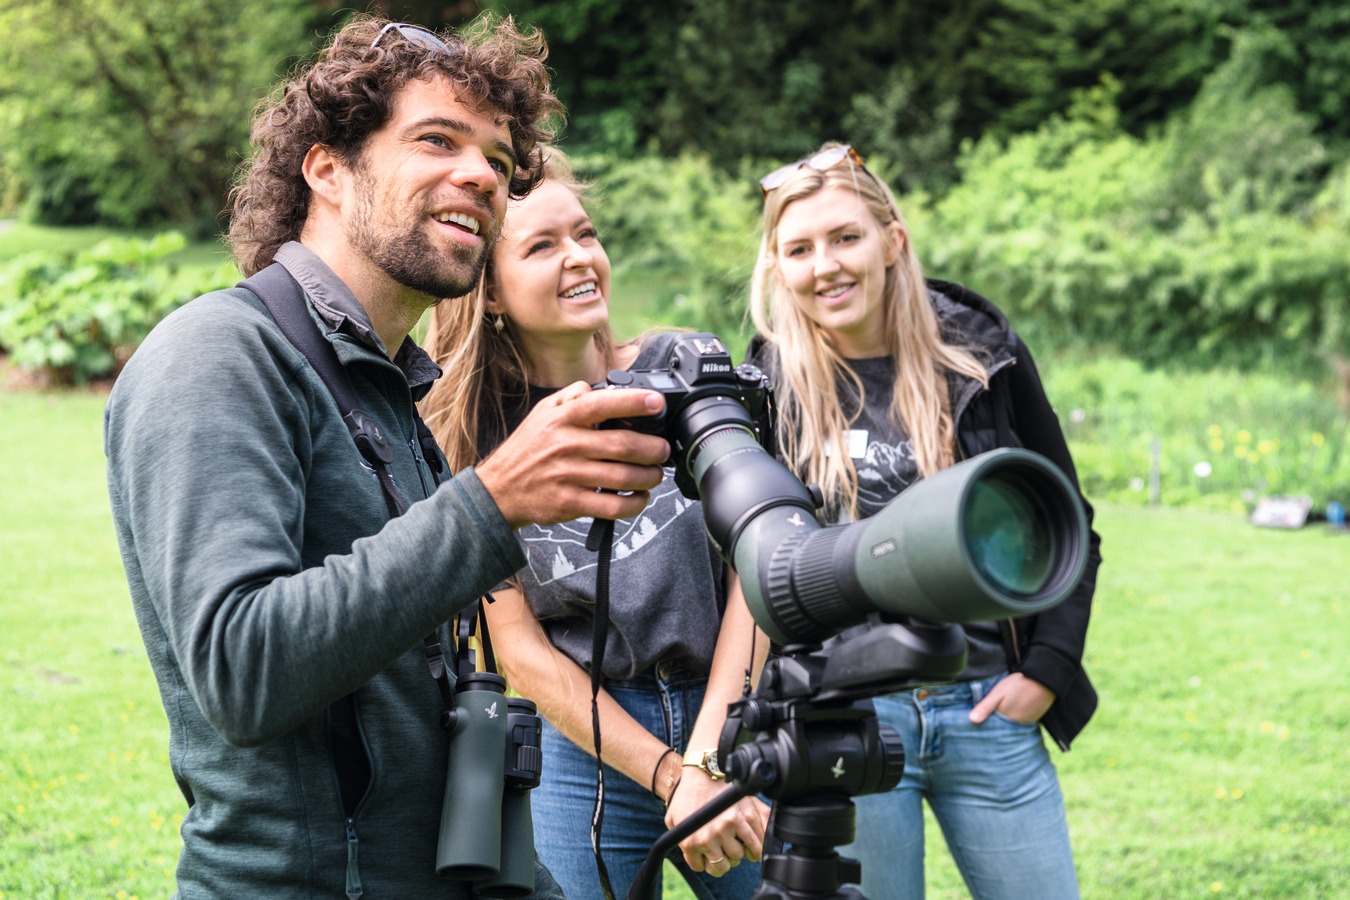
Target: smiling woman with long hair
[[680, 638], [884, 377]]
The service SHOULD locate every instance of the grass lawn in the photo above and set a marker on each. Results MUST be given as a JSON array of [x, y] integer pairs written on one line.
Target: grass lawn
[[18, 238], [1215, 766]]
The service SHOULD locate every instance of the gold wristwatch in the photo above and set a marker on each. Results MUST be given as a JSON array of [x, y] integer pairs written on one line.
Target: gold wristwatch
[[705, 760]]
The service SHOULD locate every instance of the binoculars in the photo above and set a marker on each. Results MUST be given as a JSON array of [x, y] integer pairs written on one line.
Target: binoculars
[[487, 831]]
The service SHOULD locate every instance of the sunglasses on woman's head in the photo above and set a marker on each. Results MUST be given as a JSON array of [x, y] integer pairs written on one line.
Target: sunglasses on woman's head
[[416, 34], [820, 161]]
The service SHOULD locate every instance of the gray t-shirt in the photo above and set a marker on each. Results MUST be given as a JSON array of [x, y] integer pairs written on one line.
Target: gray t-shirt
[[666, 583], [884, 459]]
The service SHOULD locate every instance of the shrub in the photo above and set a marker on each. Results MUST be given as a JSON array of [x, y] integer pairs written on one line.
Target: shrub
[[1084, 233], [1224, 438], [685, 223], [76, 317]]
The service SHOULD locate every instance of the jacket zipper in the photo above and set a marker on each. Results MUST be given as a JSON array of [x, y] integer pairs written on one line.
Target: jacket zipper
[[354, 886], [1016, 647], [354, 889], [423, 467]]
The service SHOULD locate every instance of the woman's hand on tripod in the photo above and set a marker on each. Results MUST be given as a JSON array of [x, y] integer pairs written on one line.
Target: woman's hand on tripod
[[736, 834]]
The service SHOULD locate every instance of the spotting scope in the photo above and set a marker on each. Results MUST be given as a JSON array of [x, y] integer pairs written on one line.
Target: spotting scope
[[999, 535]]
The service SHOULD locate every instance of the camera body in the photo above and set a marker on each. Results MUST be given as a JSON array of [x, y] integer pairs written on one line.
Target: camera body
[[703, 390]]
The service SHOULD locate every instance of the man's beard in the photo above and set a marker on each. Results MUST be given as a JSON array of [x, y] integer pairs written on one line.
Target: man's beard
[[409, 258]]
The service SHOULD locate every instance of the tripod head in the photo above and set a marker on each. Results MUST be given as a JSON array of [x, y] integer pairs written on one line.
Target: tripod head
[[809, 739]]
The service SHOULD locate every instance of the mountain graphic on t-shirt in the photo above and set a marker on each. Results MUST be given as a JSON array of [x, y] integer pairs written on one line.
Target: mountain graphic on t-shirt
[[886, 470], [557, 551]]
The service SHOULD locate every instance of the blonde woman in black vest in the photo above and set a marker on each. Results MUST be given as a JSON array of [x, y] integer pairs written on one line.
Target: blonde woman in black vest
[[884, 377]]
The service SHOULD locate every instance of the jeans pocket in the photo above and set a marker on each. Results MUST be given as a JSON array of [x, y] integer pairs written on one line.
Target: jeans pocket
[[1012, 723]]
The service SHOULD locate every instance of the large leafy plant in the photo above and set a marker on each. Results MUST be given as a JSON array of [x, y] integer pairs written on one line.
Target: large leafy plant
[[77, 317]]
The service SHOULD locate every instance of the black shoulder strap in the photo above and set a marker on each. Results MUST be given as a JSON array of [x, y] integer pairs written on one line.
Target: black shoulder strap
[[285, 300]]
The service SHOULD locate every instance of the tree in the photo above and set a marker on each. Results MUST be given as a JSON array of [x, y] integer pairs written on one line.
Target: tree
[[1317, 68], [1026, 59], [137, 113], [762, 78]]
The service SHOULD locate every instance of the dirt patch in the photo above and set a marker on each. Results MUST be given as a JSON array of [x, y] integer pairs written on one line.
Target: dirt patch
[[16, 378], [52, 676]]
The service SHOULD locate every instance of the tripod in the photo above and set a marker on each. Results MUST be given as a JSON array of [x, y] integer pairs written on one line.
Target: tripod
[[809, 739], [811, 867]]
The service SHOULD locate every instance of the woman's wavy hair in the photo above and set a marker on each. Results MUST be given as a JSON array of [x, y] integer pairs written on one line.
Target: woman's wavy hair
[[813, 426], [348, 93], [483, 364]]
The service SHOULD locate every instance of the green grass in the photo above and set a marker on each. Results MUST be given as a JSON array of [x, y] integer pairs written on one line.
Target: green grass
[[1215, 766], [87, 806], [18, 238]]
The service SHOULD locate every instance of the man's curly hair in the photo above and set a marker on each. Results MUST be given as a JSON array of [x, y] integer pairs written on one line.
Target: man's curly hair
[[347, 94]]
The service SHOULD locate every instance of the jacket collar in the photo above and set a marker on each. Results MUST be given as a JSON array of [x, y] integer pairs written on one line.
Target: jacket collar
[[343, 313], [969, 320]]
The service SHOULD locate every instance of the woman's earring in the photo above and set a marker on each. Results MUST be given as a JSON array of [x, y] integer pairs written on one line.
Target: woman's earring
[[499, 323]]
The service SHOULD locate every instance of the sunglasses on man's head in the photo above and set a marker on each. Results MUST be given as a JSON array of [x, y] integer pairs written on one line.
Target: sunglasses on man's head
[[416, 34], [820, 161]]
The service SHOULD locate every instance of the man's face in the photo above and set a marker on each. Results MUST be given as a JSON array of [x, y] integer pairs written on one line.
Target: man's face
[[430, 190]]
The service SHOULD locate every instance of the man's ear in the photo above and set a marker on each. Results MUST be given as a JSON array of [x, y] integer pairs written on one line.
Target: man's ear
[[896, 236], [324, 173]]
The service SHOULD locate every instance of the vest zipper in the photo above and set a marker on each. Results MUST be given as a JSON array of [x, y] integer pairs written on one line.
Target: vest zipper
[[354, 888]]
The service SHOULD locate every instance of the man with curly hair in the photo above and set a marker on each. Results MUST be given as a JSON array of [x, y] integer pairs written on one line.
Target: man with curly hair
[[284, 611]]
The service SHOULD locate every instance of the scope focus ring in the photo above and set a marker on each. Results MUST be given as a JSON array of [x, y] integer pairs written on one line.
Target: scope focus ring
[[804, 567]]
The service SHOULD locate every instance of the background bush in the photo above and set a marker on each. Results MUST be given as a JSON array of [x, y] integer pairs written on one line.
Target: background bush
[[688, 228], [78, 316]]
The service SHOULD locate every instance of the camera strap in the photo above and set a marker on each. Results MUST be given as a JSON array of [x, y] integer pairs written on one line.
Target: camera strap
[[600, 539], [465, 661], [285, 300]]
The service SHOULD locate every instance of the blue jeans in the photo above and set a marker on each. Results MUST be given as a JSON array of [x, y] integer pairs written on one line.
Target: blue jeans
[[666, 704], [993, 790]]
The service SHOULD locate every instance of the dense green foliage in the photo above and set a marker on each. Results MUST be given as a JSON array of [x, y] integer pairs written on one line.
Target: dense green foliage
[[129, 114], [766, 79], [683, 224], [1215, 242], [1168, 177], [78, 315]]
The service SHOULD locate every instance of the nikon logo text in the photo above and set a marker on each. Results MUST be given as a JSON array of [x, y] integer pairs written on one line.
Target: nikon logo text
[[709, 368]]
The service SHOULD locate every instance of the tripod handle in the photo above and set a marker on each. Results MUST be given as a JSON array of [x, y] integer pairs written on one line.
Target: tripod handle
[[644, 885]]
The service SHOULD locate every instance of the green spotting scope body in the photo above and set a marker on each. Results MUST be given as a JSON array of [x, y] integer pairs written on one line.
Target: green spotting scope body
[[999, 535]]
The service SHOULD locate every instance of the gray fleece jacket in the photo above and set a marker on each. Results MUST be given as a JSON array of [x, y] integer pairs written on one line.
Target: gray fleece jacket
[[269, 582]]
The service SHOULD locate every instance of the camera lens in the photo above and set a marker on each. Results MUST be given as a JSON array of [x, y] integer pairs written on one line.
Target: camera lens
[[1009, 536]]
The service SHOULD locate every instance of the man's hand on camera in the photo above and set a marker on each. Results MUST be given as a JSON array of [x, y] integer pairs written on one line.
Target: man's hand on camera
[[558, 466]]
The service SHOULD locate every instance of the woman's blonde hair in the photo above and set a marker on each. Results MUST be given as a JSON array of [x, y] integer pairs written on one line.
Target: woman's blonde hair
[[482, 363], [812, 424]]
